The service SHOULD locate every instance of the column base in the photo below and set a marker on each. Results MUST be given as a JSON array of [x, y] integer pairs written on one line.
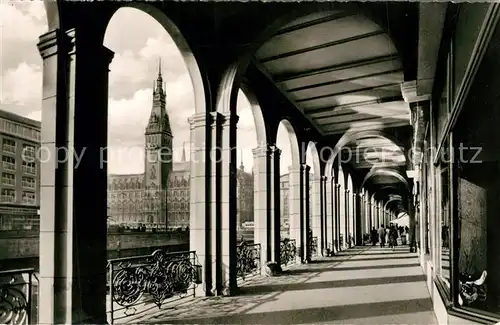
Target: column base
[[228, 292]]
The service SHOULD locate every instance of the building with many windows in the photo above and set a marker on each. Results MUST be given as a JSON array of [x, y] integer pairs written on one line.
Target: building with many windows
[[129, 206], [19, 198], [284, 188], [245, 196]]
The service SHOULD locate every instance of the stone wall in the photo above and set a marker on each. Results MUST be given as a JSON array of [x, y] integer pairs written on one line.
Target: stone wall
[[26, 245]]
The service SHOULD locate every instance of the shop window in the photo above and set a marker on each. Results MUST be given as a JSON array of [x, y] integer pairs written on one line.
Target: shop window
[[477, 141], [444, 212]]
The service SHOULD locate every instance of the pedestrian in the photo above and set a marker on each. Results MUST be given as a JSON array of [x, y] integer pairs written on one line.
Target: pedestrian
[[381, 233], [374, 236]]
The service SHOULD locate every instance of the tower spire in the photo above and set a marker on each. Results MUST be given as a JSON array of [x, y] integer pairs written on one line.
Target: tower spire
[[241, 154], [183, 159], [159, 79]]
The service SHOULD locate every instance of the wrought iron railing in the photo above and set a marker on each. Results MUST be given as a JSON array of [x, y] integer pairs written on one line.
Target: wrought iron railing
[[247, 259], [314, 246], [140, 283], [288, 251], [17, 297]]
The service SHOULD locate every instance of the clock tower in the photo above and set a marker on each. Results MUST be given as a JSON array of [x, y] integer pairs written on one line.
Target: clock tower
[[158, 153]]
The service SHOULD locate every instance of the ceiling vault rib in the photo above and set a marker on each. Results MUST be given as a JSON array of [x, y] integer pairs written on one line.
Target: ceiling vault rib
[[334, 115], [362, 119], [346, 92], [314, 22], [337, 67], [321, 46], [366, 128], [266, 74], [354, 113], [328, 83], [355, 104]]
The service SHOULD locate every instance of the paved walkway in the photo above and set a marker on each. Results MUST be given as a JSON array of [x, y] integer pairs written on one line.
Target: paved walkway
[[364, 285]]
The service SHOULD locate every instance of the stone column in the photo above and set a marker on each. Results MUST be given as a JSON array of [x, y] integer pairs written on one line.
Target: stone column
[[374, 214], [369, 215], [324, 205], [411, 212], [347, 225], [329, 213], [368, 226], [73, 233], [338, 216], [381, 213], [263, 201], [355, 216], [213, 284], [294, 207], [419, 108], [227, 280], [346, 218], [200, 235], [276, 201], [361, 214], [305, 218]]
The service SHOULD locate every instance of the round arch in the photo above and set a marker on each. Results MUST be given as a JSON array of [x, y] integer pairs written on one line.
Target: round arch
[[52, 13], [200, 91], [341, 179], [394, 199], [260, 126], [294, 144], [349, 183], [314, 156], [350, 137], [385, 172]]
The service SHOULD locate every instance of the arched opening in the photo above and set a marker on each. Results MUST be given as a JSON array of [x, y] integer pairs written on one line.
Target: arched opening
[[363, 148], [249, 113], [286, 141], [151, 96], [365, 215], [312, 160], [342, 209]]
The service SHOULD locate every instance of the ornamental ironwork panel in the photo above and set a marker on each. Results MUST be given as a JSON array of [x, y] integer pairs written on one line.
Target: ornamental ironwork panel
[[247, 259], [288, 251], [16, 297], [138, 284], [314, 246]]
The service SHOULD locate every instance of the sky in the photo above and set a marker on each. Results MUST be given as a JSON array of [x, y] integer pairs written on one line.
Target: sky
[[138, 42]]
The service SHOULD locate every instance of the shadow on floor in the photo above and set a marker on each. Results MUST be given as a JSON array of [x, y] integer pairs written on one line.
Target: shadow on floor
[[377, 258], [313, 315], [367, 267], [260, 289]]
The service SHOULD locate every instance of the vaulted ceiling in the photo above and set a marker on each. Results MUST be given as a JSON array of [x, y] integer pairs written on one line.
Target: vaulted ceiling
[[344, 73], [341, 69], [374, 151]]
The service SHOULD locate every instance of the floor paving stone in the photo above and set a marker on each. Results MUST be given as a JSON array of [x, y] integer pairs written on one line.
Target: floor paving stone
[[362, 285]]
